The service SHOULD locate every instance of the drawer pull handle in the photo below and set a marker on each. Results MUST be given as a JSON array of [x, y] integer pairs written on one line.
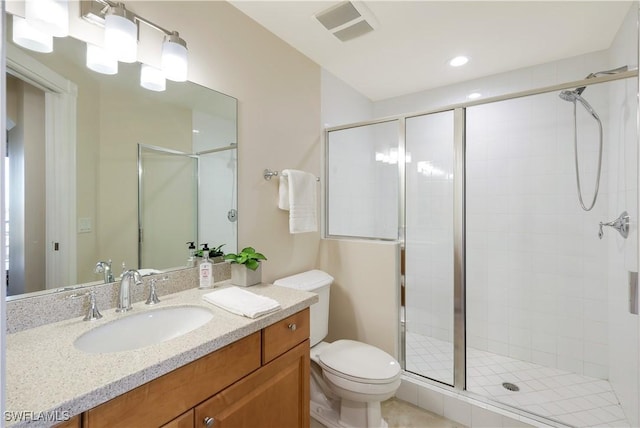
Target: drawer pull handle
[[209, 421], [292, 326]]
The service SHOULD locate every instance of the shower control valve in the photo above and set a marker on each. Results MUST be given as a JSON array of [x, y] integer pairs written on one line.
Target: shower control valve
[[621, 224]]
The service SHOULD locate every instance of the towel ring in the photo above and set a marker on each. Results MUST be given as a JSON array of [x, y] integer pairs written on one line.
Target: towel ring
[[269, 174]]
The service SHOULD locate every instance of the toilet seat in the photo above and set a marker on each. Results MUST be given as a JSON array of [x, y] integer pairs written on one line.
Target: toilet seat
[[358, 362]]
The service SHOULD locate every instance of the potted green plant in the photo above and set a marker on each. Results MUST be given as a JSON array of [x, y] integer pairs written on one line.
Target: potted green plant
[[246, 268]]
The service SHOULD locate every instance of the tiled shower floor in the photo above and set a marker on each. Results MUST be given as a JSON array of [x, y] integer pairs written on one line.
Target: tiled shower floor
[[563, 396]]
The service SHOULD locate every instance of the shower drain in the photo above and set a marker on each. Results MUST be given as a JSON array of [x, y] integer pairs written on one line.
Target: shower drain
[[510, 386]]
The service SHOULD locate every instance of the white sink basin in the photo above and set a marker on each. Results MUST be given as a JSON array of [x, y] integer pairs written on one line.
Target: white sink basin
[[143, 329]]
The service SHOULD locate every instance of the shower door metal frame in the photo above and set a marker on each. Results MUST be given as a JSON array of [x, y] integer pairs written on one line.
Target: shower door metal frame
[[459, 285]]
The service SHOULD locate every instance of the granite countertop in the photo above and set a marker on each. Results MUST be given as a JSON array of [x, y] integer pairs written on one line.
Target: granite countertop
[[46, 375]]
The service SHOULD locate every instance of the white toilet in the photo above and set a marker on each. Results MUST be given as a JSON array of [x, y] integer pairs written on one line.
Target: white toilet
[[349, 379]]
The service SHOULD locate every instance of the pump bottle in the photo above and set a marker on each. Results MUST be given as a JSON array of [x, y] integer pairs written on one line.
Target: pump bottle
[[191, 261], [206, 269]]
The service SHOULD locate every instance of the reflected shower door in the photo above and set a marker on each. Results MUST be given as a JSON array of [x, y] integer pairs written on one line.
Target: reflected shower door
[[168, 186], [429, 246]]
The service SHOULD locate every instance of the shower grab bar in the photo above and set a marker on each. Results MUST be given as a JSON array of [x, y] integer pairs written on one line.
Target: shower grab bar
[[621, 224], [269, 174]]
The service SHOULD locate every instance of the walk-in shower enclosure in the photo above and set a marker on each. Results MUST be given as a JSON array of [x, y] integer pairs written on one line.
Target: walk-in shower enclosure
[[509, 292]]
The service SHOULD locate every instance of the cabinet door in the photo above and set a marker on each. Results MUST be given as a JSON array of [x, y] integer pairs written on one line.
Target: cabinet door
[[185, 420], [275, 396], [161, 400]]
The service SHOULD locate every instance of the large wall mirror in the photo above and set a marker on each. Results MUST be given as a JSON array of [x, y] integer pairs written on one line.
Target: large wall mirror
[[99, 169]]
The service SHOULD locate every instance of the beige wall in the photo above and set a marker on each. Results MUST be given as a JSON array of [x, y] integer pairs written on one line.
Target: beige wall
[[364, 296], [278, 92]]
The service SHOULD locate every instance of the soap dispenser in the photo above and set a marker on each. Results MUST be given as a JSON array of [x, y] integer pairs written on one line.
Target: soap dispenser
[[191, 261], [206, 269]]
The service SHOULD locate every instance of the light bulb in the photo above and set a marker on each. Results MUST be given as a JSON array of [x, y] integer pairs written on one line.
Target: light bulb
[[152, 78], [27, 36], [121, 34], [174, 57], [49, 16], [101, 60]]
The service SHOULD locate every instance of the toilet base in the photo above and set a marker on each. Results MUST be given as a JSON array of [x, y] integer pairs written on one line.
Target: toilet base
[[348, 414]]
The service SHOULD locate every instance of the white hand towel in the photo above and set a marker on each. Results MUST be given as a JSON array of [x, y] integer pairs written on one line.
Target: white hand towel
[[242, 302], [283, 193], [302, 201]]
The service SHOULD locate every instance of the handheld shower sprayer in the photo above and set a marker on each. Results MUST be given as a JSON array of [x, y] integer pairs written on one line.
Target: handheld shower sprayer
[[576, 95]]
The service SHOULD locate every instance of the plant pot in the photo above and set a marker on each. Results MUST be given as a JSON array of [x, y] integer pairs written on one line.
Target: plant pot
[[245, 277], [216, 259]]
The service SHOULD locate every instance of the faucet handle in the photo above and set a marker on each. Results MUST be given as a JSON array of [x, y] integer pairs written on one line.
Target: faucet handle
[[93, 313], [153, 296]]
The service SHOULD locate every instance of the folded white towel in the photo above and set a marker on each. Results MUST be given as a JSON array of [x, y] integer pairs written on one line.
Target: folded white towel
[[283, 193], [147, 272], [242, 302], [302, 200]]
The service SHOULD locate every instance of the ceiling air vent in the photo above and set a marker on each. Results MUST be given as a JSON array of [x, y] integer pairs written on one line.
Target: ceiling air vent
[[347, 20]]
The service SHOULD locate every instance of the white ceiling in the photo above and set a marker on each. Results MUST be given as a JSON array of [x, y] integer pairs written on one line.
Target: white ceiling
[[409, 50]]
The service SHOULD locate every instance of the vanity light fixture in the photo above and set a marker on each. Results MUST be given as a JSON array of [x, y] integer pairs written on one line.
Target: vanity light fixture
[[28, 36], [121, 33], [458, 61], [474, 95], [152, 78], [101, 60]]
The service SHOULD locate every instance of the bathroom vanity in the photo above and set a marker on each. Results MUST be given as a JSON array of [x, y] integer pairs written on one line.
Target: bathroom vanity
[[232, 371]]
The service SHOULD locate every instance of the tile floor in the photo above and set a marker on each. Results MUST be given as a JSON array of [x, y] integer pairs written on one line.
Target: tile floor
[[400, 414], [562, 396]]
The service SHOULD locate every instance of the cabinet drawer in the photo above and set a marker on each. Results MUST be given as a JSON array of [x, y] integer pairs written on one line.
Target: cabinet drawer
[[159, 401], [284, 335]]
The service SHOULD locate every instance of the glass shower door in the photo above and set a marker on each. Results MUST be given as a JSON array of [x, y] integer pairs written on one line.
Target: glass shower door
[[429, 246], [168, 204]]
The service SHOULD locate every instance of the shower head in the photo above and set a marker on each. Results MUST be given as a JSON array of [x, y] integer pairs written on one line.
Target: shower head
[[607, 72], [573, 96], [569, 96]]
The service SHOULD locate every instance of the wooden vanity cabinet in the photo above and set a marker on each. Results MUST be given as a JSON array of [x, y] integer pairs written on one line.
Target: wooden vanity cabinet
[[261, 381]]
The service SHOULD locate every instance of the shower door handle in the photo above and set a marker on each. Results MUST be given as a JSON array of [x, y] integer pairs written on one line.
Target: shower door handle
[[633, 293]]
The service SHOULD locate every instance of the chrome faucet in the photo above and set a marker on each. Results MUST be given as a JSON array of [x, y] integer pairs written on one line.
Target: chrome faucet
[[105, 268], [124, 297]]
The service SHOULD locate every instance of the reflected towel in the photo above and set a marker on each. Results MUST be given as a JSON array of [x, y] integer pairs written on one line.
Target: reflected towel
[[299, 189], [147, 272], [242, 302]]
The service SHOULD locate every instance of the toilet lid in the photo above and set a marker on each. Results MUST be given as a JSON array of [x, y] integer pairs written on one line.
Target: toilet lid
[[359, 360]]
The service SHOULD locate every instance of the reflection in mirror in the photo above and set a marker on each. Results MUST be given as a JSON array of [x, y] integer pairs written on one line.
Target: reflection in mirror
[[72, 176]]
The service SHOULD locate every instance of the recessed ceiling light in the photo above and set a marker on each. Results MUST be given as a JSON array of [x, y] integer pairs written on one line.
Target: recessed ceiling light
[[458, 61], [474, 95]]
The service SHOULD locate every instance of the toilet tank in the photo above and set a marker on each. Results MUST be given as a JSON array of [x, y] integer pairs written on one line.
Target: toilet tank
[[314, 281]]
